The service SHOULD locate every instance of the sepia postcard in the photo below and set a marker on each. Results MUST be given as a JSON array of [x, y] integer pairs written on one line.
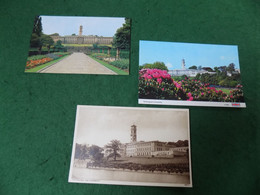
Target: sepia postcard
[[190, 74], [79, 45], [131, 146]]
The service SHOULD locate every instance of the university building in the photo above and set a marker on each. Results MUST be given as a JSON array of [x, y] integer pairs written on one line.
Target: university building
[[187, 72], [82, 39], [149, 148]]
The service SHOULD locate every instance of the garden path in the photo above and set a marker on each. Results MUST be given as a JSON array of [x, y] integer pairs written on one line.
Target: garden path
[[78, 63]]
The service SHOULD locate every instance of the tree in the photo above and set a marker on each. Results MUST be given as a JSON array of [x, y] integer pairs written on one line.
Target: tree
[[35, 41], [36, 34], [122, 36], [37, 26], [113, 147], [157, 65], [47, 41], [58, 46], [81, 152], [231, 67], [95, 152], [160, 65], [193, 67]]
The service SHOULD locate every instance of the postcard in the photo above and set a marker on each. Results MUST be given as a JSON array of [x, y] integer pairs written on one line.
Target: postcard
[[131, 146], [79, 45], [191, 74]]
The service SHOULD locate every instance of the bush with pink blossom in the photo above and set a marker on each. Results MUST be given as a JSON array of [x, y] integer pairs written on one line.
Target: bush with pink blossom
[[158, 84]]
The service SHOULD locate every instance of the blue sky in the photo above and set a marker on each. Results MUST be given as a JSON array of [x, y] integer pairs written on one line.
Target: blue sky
[[66, 25], [172, 53]]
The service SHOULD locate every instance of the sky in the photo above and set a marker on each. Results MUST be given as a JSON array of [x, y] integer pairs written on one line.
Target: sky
[[65, 25], [172, 53], [98, 125]]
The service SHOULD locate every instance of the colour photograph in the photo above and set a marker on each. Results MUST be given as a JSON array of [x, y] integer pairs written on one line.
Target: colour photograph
[[79, 45], [173, 73], [131, 146]]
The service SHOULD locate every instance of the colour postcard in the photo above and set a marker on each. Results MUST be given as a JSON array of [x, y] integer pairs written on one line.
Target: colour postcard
[[131, 146], [172, 73], [79, 45]]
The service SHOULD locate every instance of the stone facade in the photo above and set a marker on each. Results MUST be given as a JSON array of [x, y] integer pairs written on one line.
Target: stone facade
[[82, 39]]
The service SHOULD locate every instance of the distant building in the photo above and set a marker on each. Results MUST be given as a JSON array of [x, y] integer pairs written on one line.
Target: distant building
[[82, 39], [187, 72], [146, 148]]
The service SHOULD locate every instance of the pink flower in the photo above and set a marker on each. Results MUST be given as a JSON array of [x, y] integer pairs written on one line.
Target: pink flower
[[202, 93], [149, 77], [162, 89], [159, 80], [190, 99], [189, 94]]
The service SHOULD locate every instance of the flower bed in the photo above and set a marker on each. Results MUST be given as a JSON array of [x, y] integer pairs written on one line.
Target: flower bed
[[158, 84], [37, 60]]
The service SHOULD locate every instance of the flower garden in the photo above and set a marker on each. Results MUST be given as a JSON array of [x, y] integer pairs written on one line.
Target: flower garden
[[118, 64], [158, 84], [37, 60]]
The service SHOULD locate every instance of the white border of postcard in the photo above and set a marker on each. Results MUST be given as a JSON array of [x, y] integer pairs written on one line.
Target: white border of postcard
[[95, 125]]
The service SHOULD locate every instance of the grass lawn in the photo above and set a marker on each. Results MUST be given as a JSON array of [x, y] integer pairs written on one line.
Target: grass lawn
[[35, 69], [225, 90], [111, 67]]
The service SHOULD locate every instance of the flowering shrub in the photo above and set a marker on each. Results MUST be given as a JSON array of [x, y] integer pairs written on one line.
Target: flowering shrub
[[158, 84]]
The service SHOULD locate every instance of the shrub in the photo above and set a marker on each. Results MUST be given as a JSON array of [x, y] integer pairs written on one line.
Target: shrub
[[99, 56], [122, 63], [158, 84]]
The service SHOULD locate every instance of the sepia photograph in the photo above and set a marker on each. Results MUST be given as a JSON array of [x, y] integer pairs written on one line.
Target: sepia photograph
[[79, 45], [131, 146], [191, 74]]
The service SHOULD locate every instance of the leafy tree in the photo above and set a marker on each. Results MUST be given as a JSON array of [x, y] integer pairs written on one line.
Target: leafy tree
[[160, 65], [95, 152], [35, 41], [73, 34], [55, 34], [157, 65], [193, 67], [81, 152], [47, 41], [58, 46], [231, 67], [122, 36], [113, 148]]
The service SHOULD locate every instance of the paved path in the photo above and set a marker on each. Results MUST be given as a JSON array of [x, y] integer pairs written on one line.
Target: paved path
[[78, 63]]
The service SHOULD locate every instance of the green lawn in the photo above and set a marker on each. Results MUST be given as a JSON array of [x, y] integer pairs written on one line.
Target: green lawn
[[111, 67], [225, 90], [35, 69]]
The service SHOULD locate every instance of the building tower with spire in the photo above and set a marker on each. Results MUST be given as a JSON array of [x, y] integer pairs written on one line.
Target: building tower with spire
[[133, 133], [80, 30], [183, 64]]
